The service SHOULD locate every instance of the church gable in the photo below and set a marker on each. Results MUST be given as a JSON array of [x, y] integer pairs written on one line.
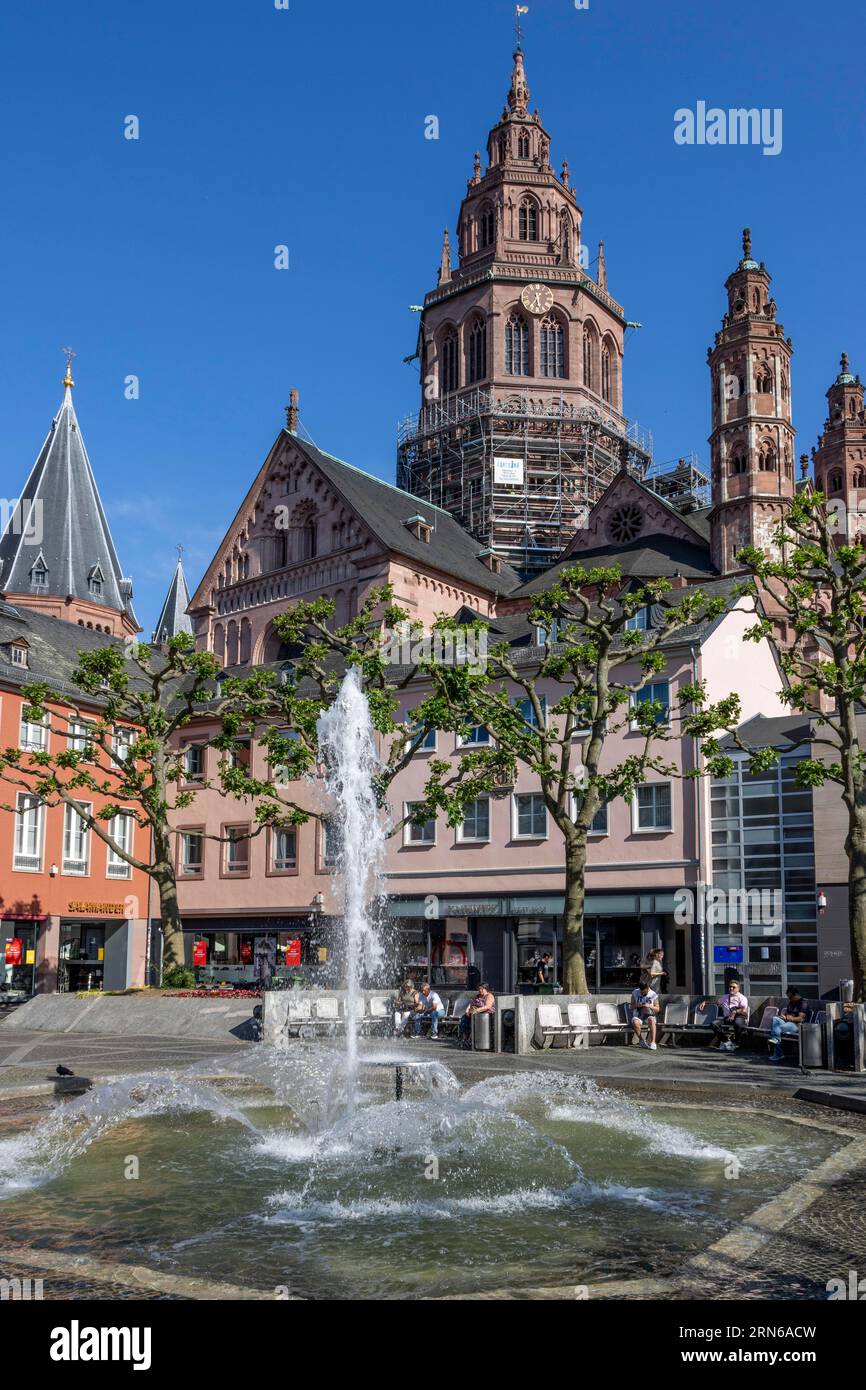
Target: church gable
[[628, 512]]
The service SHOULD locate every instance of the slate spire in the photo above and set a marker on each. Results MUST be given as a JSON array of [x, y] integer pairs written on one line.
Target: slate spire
[[174, 618], [56, 553]]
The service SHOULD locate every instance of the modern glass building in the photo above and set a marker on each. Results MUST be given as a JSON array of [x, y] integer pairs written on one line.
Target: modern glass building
[[763, 856]]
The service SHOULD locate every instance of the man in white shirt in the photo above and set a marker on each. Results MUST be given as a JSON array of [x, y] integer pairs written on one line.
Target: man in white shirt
[[644, 1010], [430, 1006]]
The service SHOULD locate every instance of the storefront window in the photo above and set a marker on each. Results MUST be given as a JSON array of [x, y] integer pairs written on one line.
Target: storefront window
[[82, 957], [18, 957]]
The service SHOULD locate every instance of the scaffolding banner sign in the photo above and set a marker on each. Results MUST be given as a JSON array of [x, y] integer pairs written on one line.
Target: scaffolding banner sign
[[507, 470]]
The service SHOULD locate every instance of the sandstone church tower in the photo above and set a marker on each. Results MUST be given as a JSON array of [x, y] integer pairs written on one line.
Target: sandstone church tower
[[752, 440], [840, 457], [520, 427]]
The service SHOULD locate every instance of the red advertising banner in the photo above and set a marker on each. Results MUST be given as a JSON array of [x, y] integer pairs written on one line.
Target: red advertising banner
[[293, 952], [199, 953], [14, 949]]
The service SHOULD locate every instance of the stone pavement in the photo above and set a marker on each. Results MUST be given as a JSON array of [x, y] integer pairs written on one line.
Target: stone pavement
[[28, 1058]]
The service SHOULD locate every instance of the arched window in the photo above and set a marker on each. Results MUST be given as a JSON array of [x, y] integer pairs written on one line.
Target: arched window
[[487, 226], [307, 540], [835, 482], [277, 547], [516, 346], [552, 348], [449, 361], [605, 373], [219, 643], [767, 460], [503, 149], [589, 358], [523, 146], [528, 220], [860, 477], [478, 350], [739, 464], [232, 643], [764, 384], [246, 636]]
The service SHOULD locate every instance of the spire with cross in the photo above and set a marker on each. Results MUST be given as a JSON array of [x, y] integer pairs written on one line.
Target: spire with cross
[[67, 380]]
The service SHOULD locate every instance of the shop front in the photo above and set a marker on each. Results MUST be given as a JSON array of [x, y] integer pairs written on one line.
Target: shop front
[[515, 942], [19, 937], [244, 951], [96, 945]]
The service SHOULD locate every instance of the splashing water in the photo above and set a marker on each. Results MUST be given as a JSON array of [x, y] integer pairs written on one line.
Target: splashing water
[[348, 749]]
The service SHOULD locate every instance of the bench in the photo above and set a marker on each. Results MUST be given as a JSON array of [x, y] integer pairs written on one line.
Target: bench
[[550, 1031], [701, 1025], [579, 1027], [455, 1008]]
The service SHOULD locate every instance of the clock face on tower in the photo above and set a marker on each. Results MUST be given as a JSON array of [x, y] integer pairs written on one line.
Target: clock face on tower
[[537, 298]]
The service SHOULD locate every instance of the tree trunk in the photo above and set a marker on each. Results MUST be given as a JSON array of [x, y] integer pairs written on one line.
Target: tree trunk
[[573, 965], [166, 882], [855, 848]]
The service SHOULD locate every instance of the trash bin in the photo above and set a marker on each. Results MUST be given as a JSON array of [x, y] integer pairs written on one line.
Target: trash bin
[[482, 1032], [507, 1035], [843, 1043], [812, 1045], [846, 991]]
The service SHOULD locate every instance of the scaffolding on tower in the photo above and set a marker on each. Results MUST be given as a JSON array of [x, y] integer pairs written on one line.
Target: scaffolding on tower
[[520, 474]]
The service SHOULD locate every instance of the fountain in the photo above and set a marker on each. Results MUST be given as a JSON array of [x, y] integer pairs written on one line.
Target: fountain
[[348, 751], [320, 1176]]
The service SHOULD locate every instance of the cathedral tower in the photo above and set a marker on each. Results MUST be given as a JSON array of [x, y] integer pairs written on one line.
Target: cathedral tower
[[752, 441], [56, 553], [840, 457], [520, 427]]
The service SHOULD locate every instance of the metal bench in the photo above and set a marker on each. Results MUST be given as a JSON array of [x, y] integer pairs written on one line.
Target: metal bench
[[550, 1031], [455, 1008], [613, 1018], [580, 1019]]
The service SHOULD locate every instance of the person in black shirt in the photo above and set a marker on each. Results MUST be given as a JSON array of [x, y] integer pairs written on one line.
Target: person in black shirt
[[787, 1022]]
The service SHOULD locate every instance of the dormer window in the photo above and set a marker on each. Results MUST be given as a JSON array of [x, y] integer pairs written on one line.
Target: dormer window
[[95, 581], [39, 573], [20, 654], [491, 560], [420, 528]]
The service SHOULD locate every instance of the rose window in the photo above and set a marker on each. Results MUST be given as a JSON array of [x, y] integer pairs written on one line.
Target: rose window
[[625, 524]]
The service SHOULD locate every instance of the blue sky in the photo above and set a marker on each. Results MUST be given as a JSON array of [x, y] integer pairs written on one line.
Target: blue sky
[[305, 127]]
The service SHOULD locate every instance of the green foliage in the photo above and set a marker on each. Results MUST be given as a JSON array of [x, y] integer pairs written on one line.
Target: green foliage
[[178, 977]]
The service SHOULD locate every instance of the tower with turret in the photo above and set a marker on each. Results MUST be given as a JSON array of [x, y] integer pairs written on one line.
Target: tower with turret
[[752, 439], [839, 458], [520, 426]]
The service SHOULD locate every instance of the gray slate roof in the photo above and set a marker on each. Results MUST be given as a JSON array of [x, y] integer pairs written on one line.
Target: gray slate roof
[[53, 647], [385, 509], [648, 557], [173, 617], [75, 543]]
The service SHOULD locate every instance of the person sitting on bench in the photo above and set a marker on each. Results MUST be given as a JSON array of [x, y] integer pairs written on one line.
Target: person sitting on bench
[[787, 1023], [404, 1006], [483, 1003], [645, 1007], [731, 1027], [429, 1005]]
